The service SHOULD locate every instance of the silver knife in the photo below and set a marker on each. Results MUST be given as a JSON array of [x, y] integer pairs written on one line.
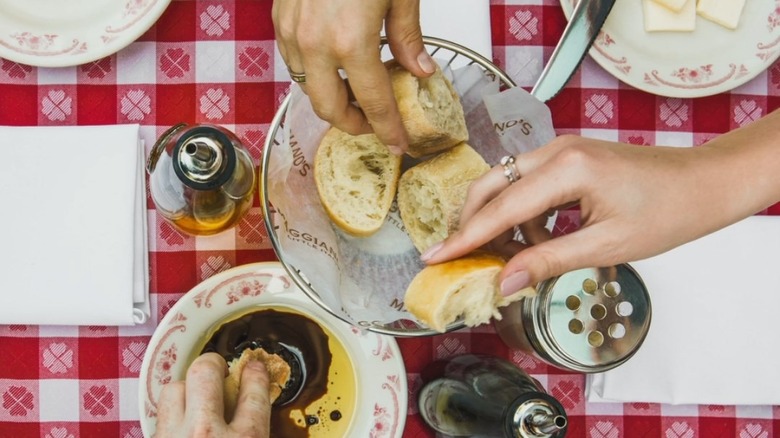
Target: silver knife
[[583, 27]]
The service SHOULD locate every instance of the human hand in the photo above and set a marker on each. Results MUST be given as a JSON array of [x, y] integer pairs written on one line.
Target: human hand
[[320, 37], [195, 407], [635, 202]]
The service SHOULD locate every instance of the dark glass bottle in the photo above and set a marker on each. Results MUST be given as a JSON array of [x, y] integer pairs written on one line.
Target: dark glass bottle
[[486, 396]]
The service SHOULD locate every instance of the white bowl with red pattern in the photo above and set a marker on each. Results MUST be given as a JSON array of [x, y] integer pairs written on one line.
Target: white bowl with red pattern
[[380, 374]]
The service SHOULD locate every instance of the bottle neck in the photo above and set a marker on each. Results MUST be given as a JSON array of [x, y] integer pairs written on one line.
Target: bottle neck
[[536, 415], [201, 159], [204, 158]]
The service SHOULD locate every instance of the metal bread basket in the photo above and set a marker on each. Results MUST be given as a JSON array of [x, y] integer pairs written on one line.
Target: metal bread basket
[[440, 49]]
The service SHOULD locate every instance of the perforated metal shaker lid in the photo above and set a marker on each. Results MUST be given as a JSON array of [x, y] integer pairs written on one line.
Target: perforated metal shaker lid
[[589, 320]]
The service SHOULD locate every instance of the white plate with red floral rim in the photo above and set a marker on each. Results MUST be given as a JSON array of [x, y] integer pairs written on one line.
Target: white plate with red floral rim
[[381, 386], [56, 33], [709, 60]]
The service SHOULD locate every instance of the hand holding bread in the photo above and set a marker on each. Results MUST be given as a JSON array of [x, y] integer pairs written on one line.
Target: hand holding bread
[[357, 175], [322, 39], [194, 406], [430, 109], [357, 178], [467, 287], [278, 375], [432, 193]]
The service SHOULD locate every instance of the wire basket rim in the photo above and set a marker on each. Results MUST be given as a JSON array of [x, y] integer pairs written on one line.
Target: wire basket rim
[[267, 211]]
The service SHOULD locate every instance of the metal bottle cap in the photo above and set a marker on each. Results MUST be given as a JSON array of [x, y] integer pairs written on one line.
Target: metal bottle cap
[[589, 320], [536, 415], [204, 158]]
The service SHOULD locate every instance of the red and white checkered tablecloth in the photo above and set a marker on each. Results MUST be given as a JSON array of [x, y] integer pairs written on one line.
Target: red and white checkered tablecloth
[[212, 61]]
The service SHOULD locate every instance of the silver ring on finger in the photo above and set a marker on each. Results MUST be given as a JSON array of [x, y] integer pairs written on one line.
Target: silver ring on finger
[[510, 170]]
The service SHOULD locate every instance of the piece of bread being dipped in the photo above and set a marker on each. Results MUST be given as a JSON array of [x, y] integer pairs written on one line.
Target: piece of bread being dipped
[[278, 376]]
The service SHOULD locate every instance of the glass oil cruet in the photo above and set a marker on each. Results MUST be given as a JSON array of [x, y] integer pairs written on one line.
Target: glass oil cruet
[[485, 396], [201, 178]]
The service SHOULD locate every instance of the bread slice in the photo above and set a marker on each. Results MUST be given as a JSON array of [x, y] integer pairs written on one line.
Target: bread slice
[[467, 287], [430, 110], [278, 375], [431, 194], [356, 178]]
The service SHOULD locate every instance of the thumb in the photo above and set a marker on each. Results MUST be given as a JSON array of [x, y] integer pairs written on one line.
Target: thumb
[[580, 249], [253, 411], [405, 37]]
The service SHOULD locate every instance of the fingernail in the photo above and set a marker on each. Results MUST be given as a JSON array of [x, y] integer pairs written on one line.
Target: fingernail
[[426, 62], [255, 365], [430, 252], [516, 281], [395, 150]]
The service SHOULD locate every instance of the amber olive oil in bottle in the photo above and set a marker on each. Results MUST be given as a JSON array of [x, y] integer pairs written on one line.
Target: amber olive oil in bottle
[[201, 178]]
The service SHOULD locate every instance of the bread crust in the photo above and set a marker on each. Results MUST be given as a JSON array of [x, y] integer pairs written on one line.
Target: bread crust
[[436, 294], [431, 194], [278, 375], [357, 177], [430, 110]]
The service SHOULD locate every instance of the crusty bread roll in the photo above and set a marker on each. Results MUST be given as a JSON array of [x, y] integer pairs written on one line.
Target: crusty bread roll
[[430, 110], [432, 193], [278, 375], [356, 178], [466, 287]]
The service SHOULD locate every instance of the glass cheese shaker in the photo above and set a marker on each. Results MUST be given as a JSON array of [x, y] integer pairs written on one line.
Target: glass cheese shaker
[[486, 396], [201, 178], [589, 320]]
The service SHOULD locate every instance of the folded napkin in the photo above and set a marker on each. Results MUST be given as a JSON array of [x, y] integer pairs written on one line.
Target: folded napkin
[[713, 337], [466, 22], [73, 245]]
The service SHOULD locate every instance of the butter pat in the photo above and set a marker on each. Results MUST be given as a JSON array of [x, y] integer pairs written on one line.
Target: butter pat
[[675, 5], [724, 12], [659, 18]]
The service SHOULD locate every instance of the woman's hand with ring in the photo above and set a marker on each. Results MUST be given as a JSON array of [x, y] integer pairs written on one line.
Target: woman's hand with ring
[[630, 199], [318, 38]]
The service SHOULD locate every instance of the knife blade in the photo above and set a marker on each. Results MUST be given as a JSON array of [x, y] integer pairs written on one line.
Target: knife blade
[[578, 36]]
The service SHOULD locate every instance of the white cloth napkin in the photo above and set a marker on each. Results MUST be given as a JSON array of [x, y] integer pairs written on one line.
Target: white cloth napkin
[[73, 244], [466, 22], [714, 337]]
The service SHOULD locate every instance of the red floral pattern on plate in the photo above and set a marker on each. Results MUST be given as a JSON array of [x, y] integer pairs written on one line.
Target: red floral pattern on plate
[[702, 65], [250, 286], [64, 44], [386, 420]]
